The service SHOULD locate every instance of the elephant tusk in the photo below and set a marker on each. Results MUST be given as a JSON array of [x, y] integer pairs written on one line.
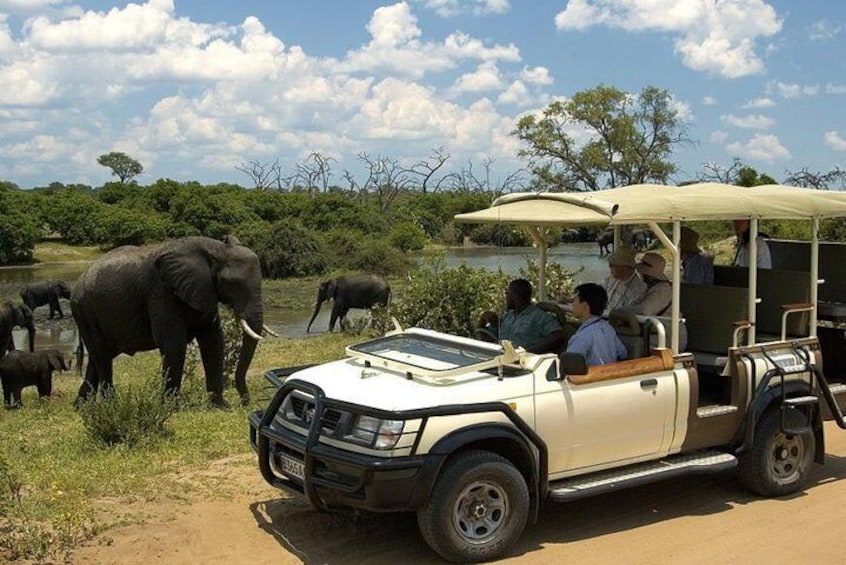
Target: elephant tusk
[[248, 330], [267, 330]]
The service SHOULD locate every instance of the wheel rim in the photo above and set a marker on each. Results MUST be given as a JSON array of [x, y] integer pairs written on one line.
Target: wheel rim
[[480, 512], [786, 457]]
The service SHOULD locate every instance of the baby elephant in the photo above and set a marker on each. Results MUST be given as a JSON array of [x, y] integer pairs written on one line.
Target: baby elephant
[[20, 369]]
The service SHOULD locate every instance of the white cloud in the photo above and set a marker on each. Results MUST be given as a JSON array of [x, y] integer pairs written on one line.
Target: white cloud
[[835, 88], [536, 75], [492, 6], [709, 100], [762, 102], [761, 147], [485, 77], [824, 29], [516, 94], [683, 110], [712, 36], [451, 8], [756, 121], [792, 90], [835, 141]]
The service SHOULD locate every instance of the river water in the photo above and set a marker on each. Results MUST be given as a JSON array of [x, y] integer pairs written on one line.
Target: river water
[[583, 258]]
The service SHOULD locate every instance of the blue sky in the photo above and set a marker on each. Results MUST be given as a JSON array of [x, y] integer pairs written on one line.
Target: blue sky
[[192, 89]]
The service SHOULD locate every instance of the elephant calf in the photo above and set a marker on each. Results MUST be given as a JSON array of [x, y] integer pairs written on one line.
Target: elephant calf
[[21, 369], [46, 292]]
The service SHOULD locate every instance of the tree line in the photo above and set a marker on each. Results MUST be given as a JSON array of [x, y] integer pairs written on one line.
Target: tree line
[[315, 219]]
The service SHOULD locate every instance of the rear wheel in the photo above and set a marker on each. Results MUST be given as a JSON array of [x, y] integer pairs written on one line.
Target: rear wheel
[[778, 462], [477, 509]]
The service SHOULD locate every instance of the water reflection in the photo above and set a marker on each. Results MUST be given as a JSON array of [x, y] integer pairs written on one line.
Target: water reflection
[[289, 322]]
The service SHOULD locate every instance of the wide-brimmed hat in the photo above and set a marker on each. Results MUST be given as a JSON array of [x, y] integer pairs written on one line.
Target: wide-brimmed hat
[[689, 241], [652, 265], [623, 257]]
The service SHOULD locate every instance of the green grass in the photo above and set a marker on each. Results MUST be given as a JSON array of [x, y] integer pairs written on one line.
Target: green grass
[[57, 252], [54, 469]]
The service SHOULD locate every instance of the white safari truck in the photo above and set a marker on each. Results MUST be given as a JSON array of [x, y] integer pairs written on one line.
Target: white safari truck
[[475, 437]]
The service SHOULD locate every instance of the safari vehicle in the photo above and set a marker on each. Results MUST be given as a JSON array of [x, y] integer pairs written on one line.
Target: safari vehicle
[[474, 437]]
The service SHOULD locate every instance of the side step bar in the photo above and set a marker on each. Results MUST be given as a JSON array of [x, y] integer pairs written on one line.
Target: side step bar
[[642, 473]]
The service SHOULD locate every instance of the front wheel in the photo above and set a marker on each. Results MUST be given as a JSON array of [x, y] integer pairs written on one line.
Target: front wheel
[[477, 509], [778, 462]]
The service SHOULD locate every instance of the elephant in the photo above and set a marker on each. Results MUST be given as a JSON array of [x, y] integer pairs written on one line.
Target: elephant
[[12, 315], [356, 291], [21, 369], [46, 292], [605, 241], [161, 297]]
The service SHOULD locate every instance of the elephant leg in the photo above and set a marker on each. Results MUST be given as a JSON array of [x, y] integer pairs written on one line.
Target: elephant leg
[[7, 395], [173, 364], [211, 351], [336, 310], [342, 322], [98, 377]]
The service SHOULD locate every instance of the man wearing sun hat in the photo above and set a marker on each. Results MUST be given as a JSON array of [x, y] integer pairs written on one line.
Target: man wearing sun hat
[[623, 285], [658, 300]]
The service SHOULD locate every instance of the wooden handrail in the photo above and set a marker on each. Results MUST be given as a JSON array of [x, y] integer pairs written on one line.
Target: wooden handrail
[[660, 360]]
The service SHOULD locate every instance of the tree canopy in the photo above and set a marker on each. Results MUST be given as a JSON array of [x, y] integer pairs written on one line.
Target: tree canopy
[[602, 138], [122, 165]]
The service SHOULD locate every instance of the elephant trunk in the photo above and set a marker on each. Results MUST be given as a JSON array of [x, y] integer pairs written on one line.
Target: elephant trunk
[[313, 316], [255, 322]]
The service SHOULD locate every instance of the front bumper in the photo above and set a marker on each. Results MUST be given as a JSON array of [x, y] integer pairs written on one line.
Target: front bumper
[[335, 478]]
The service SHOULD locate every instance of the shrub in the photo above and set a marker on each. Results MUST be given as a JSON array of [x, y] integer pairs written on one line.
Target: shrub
[[449, 299], [407, 236], [130, 417], [559, 281], [353, 251], [501, 235], [285, 248]]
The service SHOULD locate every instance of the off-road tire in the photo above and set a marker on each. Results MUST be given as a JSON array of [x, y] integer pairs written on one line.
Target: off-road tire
[[477, 509], [778, 463]]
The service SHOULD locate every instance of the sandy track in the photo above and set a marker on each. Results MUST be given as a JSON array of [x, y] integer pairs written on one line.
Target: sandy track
[[690, 520]]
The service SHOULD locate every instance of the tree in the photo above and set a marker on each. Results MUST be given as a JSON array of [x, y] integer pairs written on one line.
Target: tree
[[737, 173], [629, 139], [122, 165], [835, 178], [263, 175]]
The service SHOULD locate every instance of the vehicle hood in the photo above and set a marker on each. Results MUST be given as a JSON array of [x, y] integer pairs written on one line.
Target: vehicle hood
[[350, 381]]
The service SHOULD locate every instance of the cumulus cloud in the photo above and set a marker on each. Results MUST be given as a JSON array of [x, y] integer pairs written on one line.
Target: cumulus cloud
[[709, 100], [792, 90], [536, 75], [712, 36], [824, 29], [485, 77], [761, 102], [718, 136], [756, 121], [834, 140], [835, 88], [451, 8], [761, 147]]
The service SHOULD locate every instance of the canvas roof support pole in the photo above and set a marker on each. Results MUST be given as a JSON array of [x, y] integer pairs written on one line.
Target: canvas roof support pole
[[815, 272], [673, 247], [540, 237], [752, 296]]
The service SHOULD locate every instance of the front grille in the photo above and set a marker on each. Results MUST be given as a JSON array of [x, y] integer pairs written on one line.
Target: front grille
[[301, 411]]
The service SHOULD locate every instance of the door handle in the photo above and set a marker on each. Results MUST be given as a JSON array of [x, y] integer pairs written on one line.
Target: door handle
[[648, 383]]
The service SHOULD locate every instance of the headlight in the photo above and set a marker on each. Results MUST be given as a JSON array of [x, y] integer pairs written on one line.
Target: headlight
[[373, 432]]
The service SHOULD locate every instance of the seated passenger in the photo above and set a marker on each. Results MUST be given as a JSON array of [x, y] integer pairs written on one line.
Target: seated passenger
[[524, 323], [697, 268], [594, 338], [658, 300], [623, 286]]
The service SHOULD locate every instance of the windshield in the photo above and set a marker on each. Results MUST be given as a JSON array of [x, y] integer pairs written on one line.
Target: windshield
[[426, 352]]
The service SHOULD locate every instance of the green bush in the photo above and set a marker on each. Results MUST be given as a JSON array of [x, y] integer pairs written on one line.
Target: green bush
[[501, 235], [353, 251], [132, 416], [559, 281], [287, 249], [122, 226], [449, 299], [407, 236]]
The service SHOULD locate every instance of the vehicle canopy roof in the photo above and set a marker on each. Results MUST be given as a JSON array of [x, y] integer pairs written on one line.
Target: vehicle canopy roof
[[645, 203]]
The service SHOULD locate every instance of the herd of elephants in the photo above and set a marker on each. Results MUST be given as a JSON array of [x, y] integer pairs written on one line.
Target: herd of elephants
[[161, 297]]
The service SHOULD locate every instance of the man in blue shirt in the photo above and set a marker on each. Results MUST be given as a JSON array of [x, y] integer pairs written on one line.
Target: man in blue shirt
[[595, 338], [527, 325]]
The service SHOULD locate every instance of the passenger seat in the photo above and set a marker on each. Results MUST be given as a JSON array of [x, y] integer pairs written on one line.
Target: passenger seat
[[629, 331]]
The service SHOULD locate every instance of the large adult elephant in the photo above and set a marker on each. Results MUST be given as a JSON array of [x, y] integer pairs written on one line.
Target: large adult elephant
[[356, 291], [161, 297], [46, 292], [12, 315]]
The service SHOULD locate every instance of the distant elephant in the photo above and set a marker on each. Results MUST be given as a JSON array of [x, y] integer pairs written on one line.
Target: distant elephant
[[605, 241], [21, 369], [640, 239], [46, 292], [12, 315], [357, 291], [161, 297]]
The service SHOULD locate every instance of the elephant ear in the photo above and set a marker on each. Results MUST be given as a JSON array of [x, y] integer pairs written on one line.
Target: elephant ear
[[189, 276]]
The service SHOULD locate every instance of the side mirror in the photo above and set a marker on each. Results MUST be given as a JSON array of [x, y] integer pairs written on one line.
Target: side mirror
[[571, 364]]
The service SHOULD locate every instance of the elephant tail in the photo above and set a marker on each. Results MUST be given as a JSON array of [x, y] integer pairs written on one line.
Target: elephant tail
[[80, 355]]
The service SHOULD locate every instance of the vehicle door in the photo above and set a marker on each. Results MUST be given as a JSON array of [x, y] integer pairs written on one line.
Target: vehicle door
[[608, 423]]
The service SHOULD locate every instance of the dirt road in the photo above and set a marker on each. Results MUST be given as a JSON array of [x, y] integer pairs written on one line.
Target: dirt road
[[700, 519]]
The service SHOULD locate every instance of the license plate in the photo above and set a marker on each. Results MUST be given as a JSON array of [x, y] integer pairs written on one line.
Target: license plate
[[291, 467]]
